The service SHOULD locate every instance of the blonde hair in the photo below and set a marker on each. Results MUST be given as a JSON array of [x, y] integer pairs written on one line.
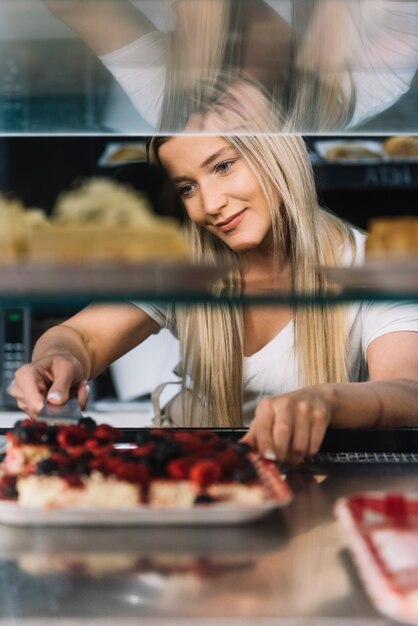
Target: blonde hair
[[206, 51], [212, 336]]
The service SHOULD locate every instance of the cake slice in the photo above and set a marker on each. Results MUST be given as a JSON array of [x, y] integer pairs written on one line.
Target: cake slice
[[82, 466]]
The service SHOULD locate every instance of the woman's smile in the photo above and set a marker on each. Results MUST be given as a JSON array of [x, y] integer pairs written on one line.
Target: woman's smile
[[231, 222]]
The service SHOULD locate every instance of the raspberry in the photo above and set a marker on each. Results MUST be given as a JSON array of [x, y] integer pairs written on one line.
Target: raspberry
[[205, 472], [133, 473], [113, 463], [71, 436], [145, 450], [179, 468], [107, 433]]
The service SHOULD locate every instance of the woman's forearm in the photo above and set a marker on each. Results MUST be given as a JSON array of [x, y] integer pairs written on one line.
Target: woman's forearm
[[64, 340], [104, 25], [383, 403]]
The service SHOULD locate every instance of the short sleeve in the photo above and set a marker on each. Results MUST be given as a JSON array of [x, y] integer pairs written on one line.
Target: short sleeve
[[140, 69], [162, 315], [382, 318], [385, 33]]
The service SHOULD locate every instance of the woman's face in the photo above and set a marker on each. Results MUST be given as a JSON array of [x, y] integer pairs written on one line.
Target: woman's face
[[219, 191]]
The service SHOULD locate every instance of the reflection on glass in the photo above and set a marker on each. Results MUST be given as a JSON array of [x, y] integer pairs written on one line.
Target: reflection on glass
[[209, 65]]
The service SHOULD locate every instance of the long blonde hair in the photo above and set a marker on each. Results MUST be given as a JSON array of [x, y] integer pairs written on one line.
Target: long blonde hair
[[211, 337], [205, 59]]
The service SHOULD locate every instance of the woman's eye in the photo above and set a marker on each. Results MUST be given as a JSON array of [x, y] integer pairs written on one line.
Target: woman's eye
[[224, 167], [185, 191]]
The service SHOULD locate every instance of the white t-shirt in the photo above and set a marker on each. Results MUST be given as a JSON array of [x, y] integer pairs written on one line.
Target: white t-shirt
[[274, 369], [385, 58]]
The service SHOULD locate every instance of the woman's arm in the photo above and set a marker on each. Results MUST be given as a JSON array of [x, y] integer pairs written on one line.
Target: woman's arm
[[104, 25], [293, 425], [73, 352]]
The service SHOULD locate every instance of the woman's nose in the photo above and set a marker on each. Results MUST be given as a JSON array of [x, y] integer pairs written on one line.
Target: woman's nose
[[213, 200]]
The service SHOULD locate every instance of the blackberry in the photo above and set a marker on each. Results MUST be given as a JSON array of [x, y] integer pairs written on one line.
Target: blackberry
[[220, 447], [87, 422], [143, 436], [203, 498], [8, 488], [47, 466], [242, 448], [245, 475], [85, 457], [49, 435], [82, 468], [207, 437], [167, 449], [26, 434]]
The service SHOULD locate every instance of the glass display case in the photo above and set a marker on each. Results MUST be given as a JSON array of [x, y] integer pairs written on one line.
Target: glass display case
[[84, 86]]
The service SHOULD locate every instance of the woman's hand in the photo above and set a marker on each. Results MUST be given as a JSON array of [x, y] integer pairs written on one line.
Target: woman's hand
[[51, 376], [292, 426]]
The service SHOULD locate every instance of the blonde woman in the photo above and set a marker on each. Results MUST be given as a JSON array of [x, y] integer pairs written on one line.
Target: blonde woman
[[288, 373]]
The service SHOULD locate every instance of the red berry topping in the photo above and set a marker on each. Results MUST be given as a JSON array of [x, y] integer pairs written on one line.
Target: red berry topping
[[71, 436], [105, 432], [145, 450], [133, 473], [205, 472], [179, 468]]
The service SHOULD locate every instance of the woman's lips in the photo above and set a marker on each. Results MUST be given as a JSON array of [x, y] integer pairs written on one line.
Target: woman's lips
[[232, 222]]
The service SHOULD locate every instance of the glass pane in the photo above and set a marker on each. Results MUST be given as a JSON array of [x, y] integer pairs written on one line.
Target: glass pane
[[112, 66]]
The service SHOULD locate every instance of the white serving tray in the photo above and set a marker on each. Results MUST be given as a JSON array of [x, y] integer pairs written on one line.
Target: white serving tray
[[217, 514], [204, 515]]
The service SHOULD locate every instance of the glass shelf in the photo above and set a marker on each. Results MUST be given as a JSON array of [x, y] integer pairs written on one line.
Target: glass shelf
[[65, 287]]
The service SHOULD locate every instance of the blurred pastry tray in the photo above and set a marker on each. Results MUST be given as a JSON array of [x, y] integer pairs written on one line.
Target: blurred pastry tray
[[377, 153], [122, 153], [153, 277], [393, 276], [381, 531]]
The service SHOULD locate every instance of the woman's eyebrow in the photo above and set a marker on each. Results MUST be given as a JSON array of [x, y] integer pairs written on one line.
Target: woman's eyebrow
[[213, 157]]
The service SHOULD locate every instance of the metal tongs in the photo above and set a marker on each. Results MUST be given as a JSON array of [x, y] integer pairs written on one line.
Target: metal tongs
[[67, 413]]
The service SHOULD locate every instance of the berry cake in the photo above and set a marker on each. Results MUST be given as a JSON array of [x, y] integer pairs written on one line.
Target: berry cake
[[83, 465]]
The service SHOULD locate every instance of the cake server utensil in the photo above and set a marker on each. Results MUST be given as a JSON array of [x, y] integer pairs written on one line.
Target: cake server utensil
[[67, 413]]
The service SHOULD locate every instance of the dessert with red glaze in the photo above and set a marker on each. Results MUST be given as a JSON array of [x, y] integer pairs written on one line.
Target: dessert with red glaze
[[82, 465]]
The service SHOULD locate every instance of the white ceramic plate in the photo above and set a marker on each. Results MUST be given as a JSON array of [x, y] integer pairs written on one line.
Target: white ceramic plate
[[209, 515]]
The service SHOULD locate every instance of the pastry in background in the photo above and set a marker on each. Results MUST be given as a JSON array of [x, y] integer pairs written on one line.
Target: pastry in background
[[17, 223], [104, 202], [102, 220], [401, 146], [128, 152], [351, 152], [393, 237]]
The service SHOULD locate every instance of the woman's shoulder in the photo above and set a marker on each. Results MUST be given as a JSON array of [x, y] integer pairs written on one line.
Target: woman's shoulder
[[354, 248]]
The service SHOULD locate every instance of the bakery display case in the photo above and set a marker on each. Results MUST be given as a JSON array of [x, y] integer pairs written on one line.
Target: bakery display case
[[74, 139]]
